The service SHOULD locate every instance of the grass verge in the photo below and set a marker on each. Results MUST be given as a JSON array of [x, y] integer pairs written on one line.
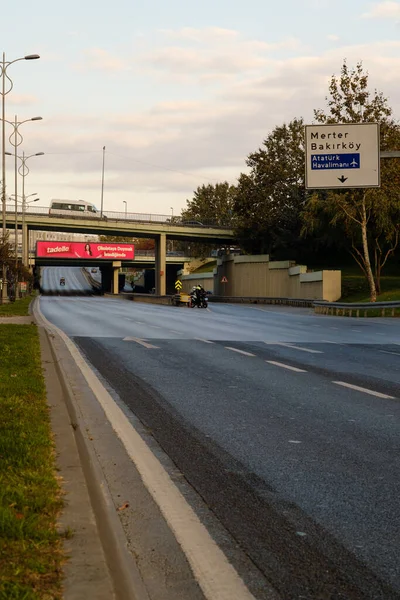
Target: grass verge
[[19, 308], [355, 289], [31, 552]]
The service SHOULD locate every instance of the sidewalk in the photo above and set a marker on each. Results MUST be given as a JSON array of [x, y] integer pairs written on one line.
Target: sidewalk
[[17, 320], [91, 570]]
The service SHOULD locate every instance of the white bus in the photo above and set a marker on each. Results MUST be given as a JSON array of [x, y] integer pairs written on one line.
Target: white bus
[[73, 208]]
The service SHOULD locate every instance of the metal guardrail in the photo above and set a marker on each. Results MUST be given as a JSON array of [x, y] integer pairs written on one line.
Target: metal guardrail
[[343, 308], [301, 302]]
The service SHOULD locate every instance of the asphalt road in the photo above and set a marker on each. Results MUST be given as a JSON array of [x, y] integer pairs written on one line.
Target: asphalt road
[[285, 422], [75, 281]]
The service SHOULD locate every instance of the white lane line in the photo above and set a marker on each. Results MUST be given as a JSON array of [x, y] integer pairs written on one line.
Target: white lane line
[[240, 351], [333, 327], [330, 342], [358, 330], [387, 352], [365, 390], [174, 331], [205, 341], [154, 326], [139, 341], [278, 364], [216, 576], [290, 345]]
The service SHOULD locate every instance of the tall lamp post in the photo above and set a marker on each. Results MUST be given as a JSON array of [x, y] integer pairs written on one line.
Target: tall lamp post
[[16, 140], [102, 183], [126, 207], [26, 204], [23, 170], [3, 73]]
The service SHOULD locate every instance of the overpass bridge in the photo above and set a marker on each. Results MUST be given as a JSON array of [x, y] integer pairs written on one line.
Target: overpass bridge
[[158, 227]]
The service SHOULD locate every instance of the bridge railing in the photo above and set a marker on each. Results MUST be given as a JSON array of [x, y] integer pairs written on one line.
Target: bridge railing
[[121, 216]]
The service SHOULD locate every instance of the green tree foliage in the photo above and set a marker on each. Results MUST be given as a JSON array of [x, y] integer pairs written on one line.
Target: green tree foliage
[[211, 204], [270, 198], [15, 272], [368, 218]]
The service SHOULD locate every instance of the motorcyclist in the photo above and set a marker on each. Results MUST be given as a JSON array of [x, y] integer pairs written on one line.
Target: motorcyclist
[[200, 294]]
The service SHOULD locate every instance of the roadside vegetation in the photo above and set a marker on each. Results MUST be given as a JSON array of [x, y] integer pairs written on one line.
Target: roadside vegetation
[[31, 552], [19, 308], [272, 213]]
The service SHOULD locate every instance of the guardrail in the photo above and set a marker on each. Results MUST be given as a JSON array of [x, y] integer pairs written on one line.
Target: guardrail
[[302, 302], [341, 308]]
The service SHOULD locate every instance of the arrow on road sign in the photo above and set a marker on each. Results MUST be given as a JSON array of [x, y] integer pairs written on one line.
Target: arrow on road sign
[[178, 284], [342, 179]]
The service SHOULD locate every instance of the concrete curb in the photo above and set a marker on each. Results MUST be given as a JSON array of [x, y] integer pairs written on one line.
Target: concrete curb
[[124, 573]]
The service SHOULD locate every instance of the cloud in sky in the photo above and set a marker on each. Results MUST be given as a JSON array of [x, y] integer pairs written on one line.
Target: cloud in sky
[[383, 10], [101, 60], [198, 101]]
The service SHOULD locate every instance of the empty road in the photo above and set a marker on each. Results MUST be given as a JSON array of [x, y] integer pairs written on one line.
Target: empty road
[[286, 423]]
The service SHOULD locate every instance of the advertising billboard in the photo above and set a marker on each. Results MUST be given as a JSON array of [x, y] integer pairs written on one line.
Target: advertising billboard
[[92, 250]]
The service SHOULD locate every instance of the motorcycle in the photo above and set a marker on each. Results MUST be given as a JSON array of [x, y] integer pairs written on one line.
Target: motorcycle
[[198, 301]]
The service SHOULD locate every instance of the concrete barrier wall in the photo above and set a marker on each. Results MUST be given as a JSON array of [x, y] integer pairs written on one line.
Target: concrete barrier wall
[[257, 276], [204, 279]]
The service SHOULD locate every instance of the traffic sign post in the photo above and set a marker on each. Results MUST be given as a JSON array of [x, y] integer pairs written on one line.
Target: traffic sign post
[[342, 156], [178, 285]]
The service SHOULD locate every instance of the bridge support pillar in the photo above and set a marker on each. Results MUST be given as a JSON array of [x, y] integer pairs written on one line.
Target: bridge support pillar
[[116, 267], [161, 265]]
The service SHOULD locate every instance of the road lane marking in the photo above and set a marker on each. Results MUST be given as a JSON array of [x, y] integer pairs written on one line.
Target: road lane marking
[[365, 390], [174, 331], [290, 345], [240, 351], [387, 352], [216, 576], [154, 326], [139, 341], [205, 341], [278, 364], [330, 342]]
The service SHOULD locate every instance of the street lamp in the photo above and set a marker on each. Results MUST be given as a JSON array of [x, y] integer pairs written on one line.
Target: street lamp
[[172, 210], [16, 140], [3, 74], [126, 207], [23, 170]]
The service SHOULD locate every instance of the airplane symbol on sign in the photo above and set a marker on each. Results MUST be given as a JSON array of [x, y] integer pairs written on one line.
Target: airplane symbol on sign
[[354, 163]]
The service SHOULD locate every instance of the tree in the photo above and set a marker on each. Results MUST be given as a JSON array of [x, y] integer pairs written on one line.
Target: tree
[[369, 217], [270, 198], [15, 272], [211, 204]]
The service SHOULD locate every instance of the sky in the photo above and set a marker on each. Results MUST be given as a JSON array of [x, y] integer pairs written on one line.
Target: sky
[[178, 92]]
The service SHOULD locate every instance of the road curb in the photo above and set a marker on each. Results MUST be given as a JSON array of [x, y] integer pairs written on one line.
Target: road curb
[[124, 574]]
